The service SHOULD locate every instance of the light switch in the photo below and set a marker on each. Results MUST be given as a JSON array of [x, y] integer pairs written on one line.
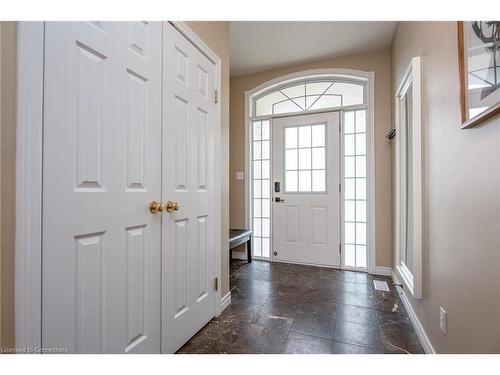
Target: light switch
[[240, 175]]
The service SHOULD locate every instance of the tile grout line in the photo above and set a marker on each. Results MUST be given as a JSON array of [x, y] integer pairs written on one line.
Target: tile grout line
[[283, 343]]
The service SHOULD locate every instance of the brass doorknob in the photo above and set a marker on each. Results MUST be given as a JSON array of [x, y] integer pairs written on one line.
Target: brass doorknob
[[171, 206], [155, 207]]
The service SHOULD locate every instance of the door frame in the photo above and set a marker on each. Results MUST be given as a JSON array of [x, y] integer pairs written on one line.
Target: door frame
[[29, 163], [369, 78]]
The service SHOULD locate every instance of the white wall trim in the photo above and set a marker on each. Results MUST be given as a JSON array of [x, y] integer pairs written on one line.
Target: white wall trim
[[248, 155], [190, 35], [225, 302], [382, 271], [372, 222], [332, 266], [30, 50], [419, 329], [240, 255]]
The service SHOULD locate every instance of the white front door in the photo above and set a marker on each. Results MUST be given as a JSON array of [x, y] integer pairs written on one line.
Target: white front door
[[101, 168], [306, 166], [189, 179]]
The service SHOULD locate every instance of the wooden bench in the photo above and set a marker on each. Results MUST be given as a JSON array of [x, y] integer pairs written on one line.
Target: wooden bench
[[238, 237]]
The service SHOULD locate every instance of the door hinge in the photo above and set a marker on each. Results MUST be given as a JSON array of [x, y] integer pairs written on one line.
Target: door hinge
[[216, 96], [340, 188], [340, 248], [216, 283]]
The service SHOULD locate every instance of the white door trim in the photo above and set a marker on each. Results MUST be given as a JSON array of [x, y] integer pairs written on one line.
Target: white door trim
[[28, 260], [372, 225], [369, 77], [29, 154]]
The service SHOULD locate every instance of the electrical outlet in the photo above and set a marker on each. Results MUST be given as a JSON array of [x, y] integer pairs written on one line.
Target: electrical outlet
[[240, 175], [443, 320]]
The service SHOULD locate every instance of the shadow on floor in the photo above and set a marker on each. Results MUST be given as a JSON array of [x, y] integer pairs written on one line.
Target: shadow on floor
[[285, 308]]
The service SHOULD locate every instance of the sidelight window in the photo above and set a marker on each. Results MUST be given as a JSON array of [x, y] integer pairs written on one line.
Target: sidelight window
[[261, 205], [355, 212]]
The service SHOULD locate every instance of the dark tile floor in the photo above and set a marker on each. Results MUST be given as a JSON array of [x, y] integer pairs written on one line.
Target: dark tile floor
[[284, 308]]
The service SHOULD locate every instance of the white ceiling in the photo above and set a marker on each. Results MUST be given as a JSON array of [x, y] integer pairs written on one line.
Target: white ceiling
[[257, 46]]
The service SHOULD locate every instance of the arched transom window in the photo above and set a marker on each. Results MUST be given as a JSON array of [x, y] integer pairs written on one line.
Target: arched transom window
[[309, 96]]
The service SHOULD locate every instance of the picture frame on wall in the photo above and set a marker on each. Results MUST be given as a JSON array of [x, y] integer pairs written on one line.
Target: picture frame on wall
[[479, 68]]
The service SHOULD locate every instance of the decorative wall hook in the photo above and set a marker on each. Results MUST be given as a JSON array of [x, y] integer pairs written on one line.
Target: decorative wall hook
[[391, 133]]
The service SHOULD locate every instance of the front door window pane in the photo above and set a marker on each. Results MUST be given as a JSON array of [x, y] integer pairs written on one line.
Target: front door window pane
[[291, 160], [318, 181], [305, 181], [318, 158], [291, 181], [304, 136], [305, 159], [318, 135], [291, 137]]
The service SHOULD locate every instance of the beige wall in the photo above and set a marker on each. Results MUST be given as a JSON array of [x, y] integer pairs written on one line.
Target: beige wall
[[380, 63], [7, 196], [461, 260], [216, 35]]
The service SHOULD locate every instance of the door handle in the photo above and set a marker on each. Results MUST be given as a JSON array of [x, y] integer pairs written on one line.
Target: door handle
[[172, 206], [155, 207], [279, 200]]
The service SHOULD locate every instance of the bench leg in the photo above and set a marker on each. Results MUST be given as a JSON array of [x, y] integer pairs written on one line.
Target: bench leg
[[249, 250]]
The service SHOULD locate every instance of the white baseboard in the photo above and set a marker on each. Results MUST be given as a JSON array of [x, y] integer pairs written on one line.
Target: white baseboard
[[307, 264], [240, 255], [382, 271], [224, 303], [422, 336]]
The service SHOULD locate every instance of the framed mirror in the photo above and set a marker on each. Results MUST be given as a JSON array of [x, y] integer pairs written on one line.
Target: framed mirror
[[408, 106]]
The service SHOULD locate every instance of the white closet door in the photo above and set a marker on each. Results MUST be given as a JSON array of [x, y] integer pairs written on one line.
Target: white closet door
[[101, 168], [188, 178]]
